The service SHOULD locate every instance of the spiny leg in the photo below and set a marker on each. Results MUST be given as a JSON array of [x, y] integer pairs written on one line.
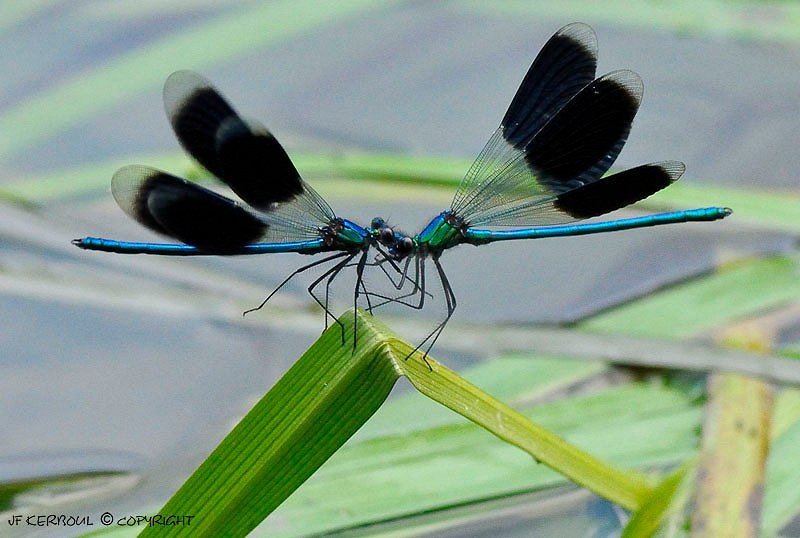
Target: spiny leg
[[403, 279], [359, 282], [291, 276], [363, 263], [419, 284], [450, 300], [419, 276], [367, 295], [360, 264], [330, 274], [378, 262], [359, 273], [388, 259], [405, 276], [333, 272], [399, 299], [401, 273]]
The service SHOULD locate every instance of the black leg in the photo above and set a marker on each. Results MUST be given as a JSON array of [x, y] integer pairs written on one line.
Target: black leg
[[450, 300], [333, 272], [419, 276], [359, 273], [403, 274], [291, 276], [387, 259], [380, 263], [359, 282]]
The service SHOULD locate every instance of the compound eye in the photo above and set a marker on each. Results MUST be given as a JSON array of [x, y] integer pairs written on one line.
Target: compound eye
[[387, 234], [377, 223], [406, 244]]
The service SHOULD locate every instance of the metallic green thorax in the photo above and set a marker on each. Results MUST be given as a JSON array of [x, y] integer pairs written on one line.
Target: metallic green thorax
[[344, 233], [443, 232], [350, 236]]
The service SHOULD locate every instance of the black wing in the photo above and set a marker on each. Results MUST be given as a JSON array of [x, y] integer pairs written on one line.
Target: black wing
[[245, 156], [576, 146], [185, 211], [566, 63], [617, 190]]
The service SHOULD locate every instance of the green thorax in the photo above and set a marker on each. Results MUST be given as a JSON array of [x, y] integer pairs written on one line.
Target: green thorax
[[442, 232], [344, 233]]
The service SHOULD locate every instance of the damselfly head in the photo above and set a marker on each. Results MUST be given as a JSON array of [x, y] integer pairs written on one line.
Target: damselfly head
[[403, 246], [386, 235], [382, 232]]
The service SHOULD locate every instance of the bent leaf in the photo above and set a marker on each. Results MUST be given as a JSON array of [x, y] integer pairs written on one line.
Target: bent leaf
[[323, 400], [327, 395], [626, 488]]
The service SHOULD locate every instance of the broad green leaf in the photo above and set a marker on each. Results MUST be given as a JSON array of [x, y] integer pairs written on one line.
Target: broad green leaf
[[313, 409], [516, 379], [442, 469], [690, 308]]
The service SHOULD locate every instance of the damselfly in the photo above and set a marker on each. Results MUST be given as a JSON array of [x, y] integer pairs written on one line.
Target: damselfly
[[541, 171]]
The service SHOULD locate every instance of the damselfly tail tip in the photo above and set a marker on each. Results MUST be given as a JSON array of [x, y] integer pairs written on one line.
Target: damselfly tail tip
[[726, 211], [79, 243]]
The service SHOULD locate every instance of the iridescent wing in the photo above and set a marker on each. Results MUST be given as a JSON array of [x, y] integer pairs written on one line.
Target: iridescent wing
[[242, 154], [615, 191], [556, 136], [566, 64], [185, 211]]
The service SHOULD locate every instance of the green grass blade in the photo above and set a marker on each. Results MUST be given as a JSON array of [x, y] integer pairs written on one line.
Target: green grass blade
[[394, 167], [762, 208], [778, 211], [321, 401], [432, 473], [517, 379], [626, 488], [87, 178], [647, 520]]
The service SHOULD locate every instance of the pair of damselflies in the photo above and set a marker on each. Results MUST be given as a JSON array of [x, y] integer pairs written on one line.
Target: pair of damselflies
[[540, 172]]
